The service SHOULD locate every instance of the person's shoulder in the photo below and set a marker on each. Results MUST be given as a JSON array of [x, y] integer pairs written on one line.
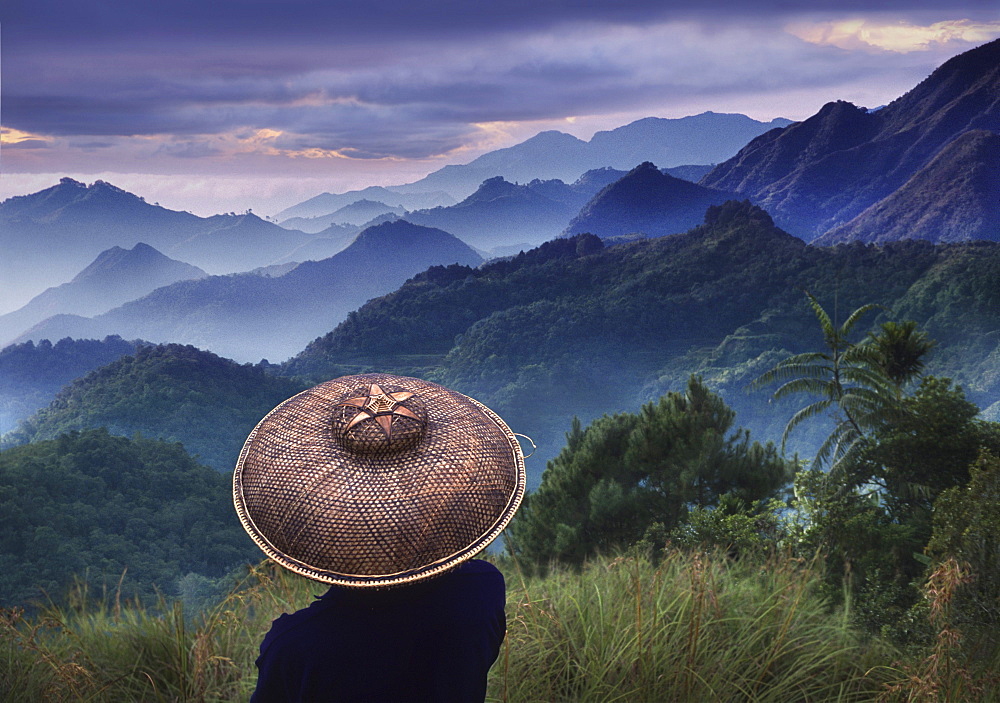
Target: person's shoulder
[[478, 566], [287, 623], [480, 576]]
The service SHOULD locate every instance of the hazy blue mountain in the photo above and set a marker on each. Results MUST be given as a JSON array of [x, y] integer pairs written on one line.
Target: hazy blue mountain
[[326, 203], [333, 240], [577, 193], [500, 213], [248, 317], [116, 276], [955, 198], [823, 172], [274, 270], [503, 217], [362, 211], [232, 243], [646, 201], [31, 374], [542, 156], [49, 236], [357, 213], [693, 173], [707, 138]]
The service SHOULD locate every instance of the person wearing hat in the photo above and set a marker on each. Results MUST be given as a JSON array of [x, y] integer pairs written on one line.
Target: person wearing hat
[[384, 487]]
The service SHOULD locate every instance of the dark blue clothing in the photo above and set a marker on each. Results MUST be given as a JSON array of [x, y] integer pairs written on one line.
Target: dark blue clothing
[[433, 640]]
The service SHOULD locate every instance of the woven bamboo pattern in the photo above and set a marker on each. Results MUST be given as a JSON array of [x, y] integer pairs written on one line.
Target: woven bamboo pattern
[[377, 480]]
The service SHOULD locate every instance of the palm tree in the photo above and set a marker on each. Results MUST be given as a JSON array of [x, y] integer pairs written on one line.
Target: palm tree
[[848, 380]]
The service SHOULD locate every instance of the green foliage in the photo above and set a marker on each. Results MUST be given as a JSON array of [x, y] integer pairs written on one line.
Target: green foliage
[[864, 550], [899, 350], [732, 526], [174, 392], [109, 508], [967, 528], [928, 447], [891, 455], [626, 472]]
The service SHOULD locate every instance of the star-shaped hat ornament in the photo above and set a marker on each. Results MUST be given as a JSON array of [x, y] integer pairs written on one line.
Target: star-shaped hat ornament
[[381, 407]]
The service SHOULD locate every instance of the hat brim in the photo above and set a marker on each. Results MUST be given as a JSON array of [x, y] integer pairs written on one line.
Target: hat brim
[[431, 508]]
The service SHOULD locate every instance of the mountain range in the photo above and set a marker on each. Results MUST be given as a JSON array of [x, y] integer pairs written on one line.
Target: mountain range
[[833, 177], [707, 138], [955, 198], [326, 203], [500, 217], [48, 237], [359, 212], [577, 327], [247, 317], [820, 174]]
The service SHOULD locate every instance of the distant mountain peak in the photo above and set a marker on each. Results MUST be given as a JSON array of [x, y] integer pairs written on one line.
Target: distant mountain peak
[[647, 201], [552, 136], [99, 184], [646, 166], [708, 138], [395, 231], [493, 188], [144, 249], [141, 260]]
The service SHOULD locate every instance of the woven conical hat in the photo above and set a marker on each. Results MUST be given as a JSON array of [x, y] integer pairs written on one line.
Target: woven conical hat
[[377, 480]]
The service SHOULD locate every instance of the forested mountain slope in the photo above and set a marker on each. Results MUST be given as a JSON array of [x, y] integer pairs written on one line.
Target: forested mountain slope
[[177, 393], [576, 328]]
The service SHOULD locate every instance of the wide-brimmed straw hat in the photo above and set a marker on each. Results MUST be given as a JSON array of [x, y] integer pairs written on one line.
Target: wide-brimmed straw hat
[[377, 480]]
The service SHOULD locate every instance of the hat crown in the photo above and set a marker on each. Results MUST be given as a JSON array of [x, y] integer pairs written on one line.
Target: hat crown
[[377, 420]]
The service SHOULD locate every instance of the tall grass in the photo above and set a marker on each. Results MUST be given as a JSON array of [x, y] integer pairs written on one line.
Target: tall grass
[[690, 628], [693, 628], [88, 650]]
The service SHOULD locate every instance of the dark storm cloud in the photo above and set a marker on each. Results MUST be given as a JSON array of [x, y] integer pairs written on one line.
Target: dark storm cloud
[[59, 21], [29, 144], [388, 78]]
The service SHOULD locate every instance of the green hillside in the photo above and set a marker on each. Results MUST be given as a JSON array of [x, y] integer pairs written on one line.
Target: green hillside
[[174, 392]]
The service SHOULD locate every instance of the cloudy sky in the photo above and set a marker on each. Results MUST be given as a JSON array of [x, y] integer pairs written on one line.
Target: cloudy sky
[[222, 105]]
